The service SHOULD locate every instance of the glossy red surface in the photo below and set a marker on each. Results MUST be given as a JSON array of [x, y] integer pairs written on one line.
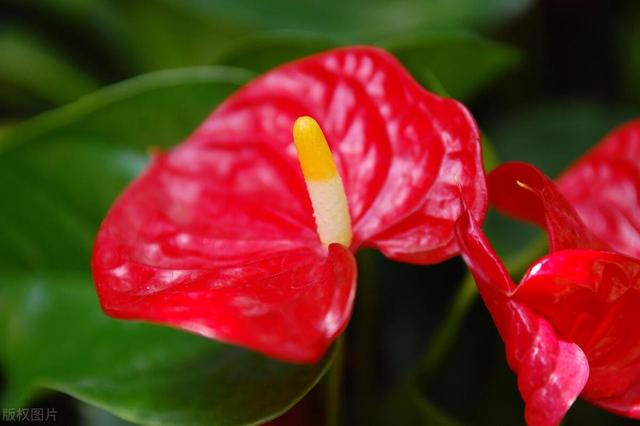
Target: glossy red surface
[[584, 294], [592, 298], [604, 187], [218, 237], [552, 371], [522, 191]]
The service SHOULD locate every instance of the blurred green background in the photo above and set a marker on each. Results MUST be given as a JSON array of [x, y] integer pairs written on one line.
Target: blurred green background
[[86, 86]]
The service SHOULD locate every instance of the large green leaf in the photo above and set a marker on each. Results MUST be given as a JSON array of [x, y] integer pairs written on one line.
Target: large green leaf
[[128, 37], [553, 134], [359, 20], [95, 416], [34, 73], [263, 51], [60, 172], [5, 127], [191, 32], [439, 60], [450, 56], [80, 44], [56, 337]]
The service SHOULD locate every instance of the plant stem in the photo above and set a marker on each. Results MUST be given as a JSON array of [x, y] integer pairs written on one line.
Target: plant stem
[[462, 302], [448, 331], [361, 338], [333, 385]]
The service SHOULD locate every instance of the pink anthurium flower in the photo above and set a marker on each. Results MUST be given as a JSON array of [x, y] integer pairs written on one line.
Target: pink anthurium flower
[[242, 235], [571, 325]]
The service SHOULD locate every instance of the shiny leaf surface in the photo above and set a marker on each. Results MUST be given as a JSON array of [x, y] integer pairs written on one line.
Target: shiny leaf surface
[[146, 374], [74, 161]]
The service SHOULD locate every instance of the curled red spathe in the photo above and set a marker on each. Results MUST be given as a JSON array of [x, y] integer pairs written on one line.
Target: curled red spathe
[[586, 291]]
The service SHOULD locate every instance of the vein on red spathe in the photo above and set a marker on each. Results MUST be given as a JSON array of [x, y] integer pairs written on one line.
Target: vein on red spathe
[[218, 236]]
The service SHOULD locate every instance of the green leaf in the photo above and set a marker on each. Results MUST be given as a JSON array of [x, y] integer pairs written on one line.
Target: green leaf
[[60, 173], [63, 170], [359, 20], [449, 57], [440, 61], [406, 405], [490, 158], [174, 35], [32, 68], [553, 134], [263, 51], [192, 32], [130, 37], [144, 373], [5, 127], [94, 416], [151, 110]]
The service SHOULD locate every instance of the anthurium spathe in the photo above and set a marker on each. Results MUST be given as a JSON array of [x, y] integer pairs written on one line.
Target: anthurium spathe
[[604, 187], [244, 236], [570, 327]]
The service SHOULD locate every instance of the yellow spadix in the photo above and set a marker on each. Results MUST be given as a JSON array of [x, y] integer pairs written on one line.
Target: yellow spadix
[[326, 191]]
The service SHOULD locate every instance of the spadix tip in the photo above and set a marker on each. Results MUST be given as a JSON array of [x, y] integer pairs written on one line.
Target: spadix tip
[[313, 151]]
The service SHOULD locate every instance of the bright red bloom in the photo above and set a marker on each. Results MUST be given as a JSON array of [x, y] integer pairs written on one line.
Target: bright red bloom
[[604, 187], [571, 326], [218, 237]]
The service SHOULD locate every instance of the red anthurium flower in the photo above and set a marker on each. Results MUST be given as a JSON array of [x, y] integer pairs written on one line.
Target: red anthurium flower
[[570, 327], [218, 235], [604, 187]]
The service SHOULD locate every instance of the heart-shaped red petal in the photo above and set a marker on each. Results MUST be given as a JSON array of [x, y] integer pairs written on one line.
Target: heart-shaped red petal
[[218, 235]]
